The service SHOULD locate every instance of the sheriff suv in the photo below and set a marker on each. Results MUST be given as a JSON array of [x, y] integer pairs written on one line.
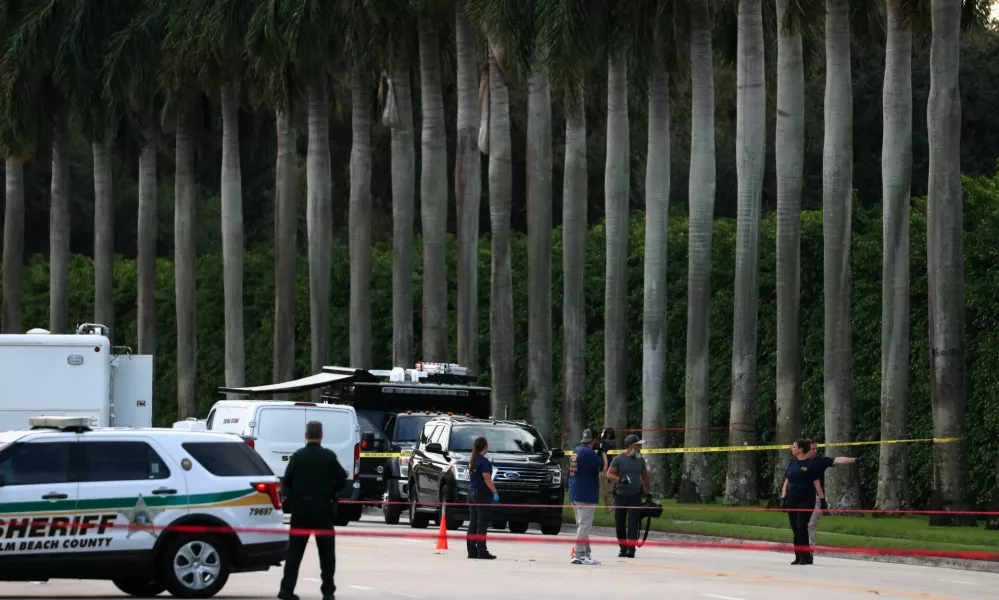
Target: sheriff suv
[[149, 509], [525, 471]]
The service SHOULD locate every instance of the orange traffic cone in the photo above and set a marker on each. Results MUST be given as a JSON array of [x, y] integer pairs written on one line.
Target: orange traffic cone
[[442, 534], [572, 552]]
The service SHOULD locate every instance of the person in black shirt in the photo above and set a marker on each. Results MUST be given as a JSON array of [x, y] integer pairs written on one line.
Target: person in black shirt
[[311, 483], [801, 486]]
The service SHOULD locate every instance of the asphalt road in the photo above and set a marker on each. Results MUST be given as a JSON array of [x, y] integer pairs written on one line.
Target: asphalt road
[[373, 568]]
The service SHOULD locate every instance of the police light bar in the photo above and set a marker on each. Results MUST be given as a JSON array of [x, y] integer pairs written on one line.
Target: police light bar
[[436, 368]]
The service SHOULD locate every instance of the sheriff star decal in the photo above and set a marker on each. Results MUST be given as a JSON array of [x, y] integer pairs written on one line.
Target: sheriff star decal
[[140, 518]]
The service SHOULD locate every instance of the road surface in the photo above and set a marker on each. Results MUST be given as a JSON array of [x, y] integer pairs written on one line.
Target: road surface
[[372, 568]]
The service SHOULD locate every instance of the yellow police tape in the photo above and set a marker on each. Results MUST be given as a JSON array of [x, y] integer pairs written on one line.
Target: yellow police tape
[[721, 448]]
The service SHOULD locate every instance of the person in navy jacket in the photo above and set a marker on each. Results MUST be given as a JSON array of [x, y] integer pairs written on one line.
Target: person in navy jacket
[[801, 487], [585, 467], [481, 493]]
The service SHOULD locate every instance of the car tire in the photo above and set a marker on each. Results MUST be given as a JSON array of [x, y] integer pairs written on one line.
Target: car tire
[[392, 513], [551, 528], [342, 519], [518, 527], [139, 587], [417, 520], [501, 525], [195, 566]]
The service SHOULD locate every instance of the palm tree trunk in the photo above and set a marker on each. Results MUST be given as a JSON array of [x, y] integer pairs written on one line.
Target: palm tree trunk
[[360, 224], [539, 253], [993, 522], [319, 222], [896, 182], [185, 266], [843, 485], [617, 183], [501, 283], [285, 249], [433, 196], [13, 247], [697, 484], [103, 234], [657, 181], [232, 237], [945, 264], [403, 215], [790, 153], [574, 232], [147, 230], [59, 230], [468, 191], [750, 146]]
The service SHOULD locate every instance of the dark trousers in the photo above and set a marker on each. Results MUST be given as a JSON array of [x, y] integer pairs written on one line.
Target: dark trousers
[[315, 516], [629, 518], [799, 522], [478, 520]]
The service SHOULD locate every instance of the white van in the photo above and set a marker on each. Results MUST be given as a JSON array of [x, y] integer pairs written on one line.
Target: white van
[[276, 429]]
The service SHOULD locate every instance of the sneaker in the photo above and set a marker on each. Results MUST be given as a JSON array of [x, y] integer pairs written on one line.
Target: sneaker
[[577, 560], [591, 561]]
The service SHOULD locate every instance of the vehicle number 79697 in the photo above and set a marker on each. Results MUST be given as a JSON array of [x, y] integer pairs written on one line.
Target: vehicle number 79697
[[260, 512]]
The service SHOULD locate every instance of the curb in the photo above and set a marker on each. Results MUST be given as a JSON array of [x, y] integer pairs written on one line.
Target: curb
[[922, 561]]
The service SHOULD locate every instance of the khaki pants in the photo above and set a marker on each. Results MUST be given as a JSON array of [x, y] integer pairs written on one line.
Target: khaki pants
[[813, 523], [584, 524], [607, 492]]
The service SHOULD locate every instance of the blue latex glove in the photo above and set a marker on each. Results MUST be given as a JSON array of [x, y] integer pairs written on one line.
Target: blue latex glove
[[495, 497]]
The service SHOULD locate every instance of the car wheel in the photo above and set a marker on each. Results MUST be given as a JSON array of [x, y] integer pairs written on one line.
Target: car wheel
[[342, 518], [195, 566], [139, 587], [551, 528], [417, 520], [518, 527], [392, 512], [499, 525]]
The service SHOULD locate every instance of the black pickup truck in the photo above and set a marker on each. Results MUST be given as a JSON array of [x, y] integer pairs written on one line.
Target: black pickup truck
[[526, 473]]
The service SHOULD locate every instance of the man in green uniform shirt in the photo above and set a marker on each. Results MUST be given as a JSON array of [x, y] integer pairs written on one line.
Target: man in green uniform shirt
[[312, 481]]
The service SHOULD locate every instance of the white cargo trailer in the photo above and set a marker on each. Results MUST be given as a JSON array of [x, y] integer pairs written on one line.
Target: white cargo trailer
[[76, 375]]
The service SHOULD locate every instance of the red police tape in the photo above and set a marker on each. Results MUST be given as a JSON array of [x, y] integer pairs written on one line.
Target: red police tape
[[983, 513], [31, 526]]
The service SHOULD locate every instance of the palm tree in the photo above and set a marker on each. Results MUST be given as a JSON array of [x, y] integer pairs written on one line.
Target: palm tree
[[467, 187], [130, 72], [566, 39], [843, 485], [433, 185], [617, 187], [790, 160], [697, 484], [750, 145], [13, 246], [358, 35], [896, 182], [945, 262]]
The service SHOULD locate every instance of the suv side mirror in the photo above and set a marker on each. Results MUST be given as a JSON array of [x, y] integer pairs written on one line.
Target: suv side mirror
[[367, 439], [435, 448], [557, 454]]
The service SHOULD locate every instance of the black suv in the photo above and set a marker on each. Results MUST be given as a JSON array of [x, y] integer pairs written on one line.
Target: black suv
[[525, 472]]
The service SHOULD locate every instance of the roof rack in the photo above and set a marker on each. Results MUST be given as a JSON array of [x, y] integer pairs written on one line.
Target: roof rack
[[60, 423]]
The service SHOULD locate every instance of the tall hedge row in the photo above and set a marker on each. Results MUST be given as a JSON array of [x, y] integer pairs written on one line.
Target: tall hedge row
[[981, 260]]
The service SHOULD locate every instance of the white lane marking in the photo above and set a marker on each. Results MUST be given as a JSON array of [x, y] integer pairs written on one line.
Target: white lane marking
[[312, 580], [360, 587], [670, 551], [957, 581], [720, 597], [405, 594]]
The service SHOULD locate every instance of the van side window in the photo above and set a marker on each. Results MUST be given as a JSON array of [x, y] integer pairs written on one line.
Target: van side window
[[120, 461], [36, 464]]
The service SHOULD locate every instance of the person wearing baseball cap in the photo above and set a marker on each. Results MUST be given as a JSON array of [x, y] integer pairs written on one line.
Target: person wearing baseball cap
[[630, 477], [584, 493]]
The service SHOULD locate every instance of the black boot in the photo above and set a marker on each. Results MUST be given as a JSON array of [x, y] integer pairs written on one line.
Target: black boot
[[797, 558], [623, 553]]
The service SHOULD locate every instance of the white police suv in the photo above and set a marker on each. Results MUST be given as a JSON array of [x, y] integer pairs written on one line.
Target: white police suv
[[149, 509]]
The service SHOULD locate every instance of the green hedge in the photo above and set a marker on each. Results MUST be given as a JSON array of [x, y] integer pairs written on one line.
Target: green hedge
[[981, 258]]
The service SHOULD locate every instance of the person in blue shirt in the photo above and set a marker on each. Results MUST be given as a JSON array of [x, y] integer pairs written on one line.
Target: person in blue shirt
[[481, 493], [585, 467], [821, 464], [801, 487]]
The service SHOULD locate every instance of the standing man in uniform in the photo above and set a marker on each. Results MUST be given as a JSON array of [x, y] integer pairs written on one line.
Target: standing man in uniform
[[630, 477], [821, 464], [312, 481], [585, 469], [606, 490]]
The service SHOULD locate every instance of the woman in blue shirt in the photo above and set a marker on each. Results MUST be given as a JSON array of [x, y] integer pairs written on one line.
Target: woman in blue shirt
[[481, 493], [801, 485]]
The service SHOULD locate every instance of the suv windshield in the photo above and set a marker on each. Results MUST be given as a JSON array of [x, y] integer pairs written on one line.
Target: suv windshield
[[502, 438], [408, 427]]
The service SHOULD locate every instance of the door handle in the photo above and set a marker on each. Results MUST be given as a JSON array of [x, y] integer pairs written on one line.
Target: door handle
[[54, 496], [165, 491]]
